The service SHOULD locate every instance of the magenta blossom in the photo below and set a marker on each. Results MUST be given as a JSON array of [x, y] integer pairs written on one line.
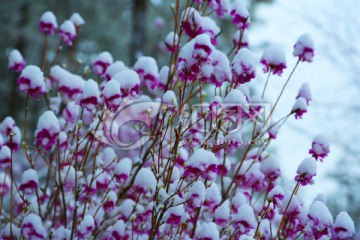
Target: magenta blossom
[[101, 63], [29, 181], [306, 171], [273, 60], [67, 32], [48, 23], [47, 131], [16, 61], [320, 148], [304, 48], [240, 15], [31, 81]]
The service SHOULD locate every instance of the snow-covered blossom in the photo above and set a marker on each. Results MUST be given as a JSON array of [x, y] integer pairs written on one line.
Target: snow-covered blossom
[[191, 21], [129, 83], [172, 42], [5, 157], [243, 66], [169, 98], [270, 167], [244, 39], [67, 32], [173, 215], [304, 92], [77, 20], [101, 63], [113, 69], [222, 214], [299, 108], [273, 60], [112, 94], [47, 131], [148, 71], [69, 84], [240, 15], [304, 48], [48, 23], [343, 228], [29, 181], [220, 7], [32, 227], [16, 61], [244, 219], [193, 56], [122, 170], [196, 195], [145, 181], [320, 221], [276, 195], [320, 147], [208, 231], [31, 81], [86, 227], [306, 171], [219, 71], [110, 201], [91, 96], [202, 162]]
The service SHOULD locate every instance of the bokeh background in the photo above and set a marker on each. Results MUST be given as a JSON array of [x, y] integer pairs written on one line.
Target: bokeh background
[[117, 25]]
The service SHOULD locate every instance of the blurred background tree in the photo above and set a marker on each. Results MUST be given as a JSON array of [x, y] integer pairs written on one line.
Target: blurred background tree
[[125, 28]]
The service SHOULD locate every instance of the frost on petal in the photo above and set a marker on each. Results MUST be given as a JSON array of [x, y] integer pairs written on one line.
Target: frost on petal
[[304, 92], [304, 48], [320, 147], [67, 32], [77, 20], [71, 113], [129, 82], [240, 15], [32, 81], [148, 71], [101, 63], [306, 171], [145, 181], [16, 61], [85, 228], [48, 23], [91, 96], [320, 221], [29, 181], [244, 219], [299, 107], [70, 85], [191, 22], [112, 94], [343, 228], [243, 66], [47, 131], [274, 60], [32, 228]]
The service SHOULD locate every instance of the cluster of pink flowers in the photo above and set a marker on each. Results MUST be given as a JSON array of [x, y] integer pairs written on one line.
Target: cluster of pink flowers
[[125, 156]]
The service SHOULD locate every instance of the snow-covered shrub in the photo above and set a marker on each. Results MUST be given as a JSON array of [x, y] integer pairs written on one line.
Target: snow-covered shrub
[[142, 153]]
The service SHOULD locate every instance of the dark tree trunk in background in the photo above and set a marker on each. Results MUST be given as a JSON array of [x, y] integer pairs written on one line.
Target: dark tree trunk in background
[[15, 105], [138, 36]]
